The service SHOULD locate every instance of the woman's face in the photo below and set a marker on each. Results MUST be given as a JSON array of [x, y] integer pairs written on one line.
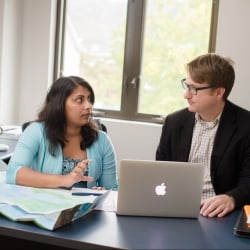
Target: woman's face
[[78, 107]]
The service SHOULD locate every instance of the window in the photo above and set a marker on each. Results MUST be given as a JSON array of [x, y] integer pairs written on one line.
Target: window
[[133, 52]]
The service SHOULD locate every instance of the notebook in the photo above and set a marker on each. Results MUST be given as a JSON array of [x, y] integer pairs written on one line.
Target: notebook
[[159, 188], [242, 226]]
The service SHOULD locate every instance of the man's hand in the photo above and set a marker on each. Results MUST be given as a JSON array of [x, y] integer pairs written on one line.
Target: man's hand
[[217, 206]]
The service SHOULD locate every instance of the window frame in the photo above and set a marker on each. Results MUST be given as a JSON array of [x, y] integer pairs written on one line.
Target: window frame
[[132, 59]]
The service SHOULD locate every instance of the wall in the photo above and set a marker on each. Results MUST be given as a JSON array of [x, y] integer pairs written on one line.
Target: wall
[[26, 55], [37, 56], [26, 50], [135, 140], [233, 39], [11, 26]]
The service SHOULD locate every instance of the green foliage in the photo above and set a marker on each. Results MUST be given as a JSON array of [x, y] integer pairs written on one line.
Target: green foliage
[[175, 32]]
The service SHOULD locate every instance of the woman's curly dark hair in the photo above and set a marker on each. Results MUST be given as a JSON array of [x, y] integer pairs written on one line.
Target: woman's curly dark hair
[[53, 113]]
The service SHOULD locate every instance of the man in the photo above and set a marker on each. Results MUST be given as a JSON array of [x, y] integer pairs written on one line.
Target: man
[[212, 131]]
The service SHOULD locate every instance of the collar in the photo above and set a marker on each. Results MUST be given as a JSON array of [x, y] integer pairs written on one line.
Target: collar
[[211, 124]]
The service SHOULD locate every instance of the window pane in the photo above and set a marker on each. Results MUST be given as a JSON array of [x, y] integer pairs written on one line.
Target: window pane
[[175, 32], [94, 46]]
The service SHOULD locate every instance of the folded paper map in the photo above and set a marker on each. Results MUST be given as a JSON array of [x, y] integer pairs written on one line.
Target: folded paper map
[[48, 208]]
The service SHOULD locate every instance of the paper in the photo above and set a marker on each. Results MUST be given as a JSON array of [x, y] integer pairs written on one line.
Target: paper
[[108, 205], [48, 208], [40, 200]]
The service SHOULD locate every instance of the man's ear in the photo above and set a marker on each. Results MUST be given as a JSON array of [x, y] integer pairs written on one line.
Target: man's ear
[[220, 92]]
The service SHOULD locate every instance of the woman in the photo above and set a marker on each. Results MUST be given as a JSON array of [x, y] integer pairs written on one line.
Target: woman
[[63, 147]]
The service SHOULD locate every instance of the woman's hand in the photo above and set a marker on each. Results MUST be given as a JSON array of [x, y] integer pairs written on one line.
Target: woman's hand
[[77, 174], [81, 167]]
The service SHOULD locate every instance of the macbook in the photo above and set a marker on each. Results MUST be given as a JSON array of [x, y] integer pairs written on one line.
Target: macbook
[[159, 188]]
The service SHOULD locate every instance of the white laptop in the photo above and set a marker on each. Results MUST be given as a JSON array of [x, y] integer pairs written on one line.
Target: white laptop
[[159, 188]]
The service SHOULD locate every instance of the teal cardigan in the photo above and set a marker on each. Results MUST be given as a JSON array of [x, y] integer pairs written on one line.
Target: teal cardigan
[[32, 150]]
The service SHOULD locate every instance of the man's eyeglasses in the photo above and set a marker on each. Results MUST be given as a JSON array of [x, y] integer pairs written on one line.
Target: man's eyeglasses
[[192, 90]]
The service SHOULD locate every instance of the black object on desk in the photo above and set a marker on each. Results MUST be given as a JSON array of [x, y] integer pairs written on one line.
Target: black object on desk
[[242, 228], [9, 137], [108, 231], [11, 142], [3, 165]]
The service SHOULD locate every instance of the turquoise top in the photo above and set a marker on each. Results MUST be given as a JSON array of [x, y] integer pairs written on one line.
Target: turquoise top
[[32, 150]]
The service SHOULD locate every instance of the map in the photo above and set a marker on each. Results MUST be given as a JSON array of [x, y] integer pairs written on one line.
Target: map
[[47, 208]]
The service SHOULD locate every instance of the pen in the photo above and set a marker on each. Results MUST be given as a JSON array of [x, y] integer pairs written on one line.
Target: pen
[[85, 194]]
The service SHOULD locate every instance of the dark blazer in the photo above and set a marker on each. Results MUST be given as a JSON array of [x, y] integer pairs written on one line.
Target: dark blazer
[[230, 158]]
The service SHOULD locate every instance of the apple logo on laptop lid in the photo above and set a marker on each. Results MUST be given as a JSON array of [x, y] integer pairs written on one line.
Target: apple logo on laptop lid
[[161, 189]]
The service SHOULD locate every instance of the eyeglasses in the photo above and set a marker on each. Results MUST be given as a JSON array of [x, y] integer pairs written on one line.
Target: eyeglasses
[[192, 90]]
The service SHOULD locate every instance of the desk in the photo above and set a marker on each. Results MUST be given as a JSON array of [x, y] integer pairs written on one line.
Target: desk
[[107, 230]]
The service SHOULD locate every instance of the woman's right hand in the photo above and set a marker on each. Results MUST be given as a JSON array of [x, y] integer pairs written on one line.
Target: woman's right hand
[[77, 174]]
